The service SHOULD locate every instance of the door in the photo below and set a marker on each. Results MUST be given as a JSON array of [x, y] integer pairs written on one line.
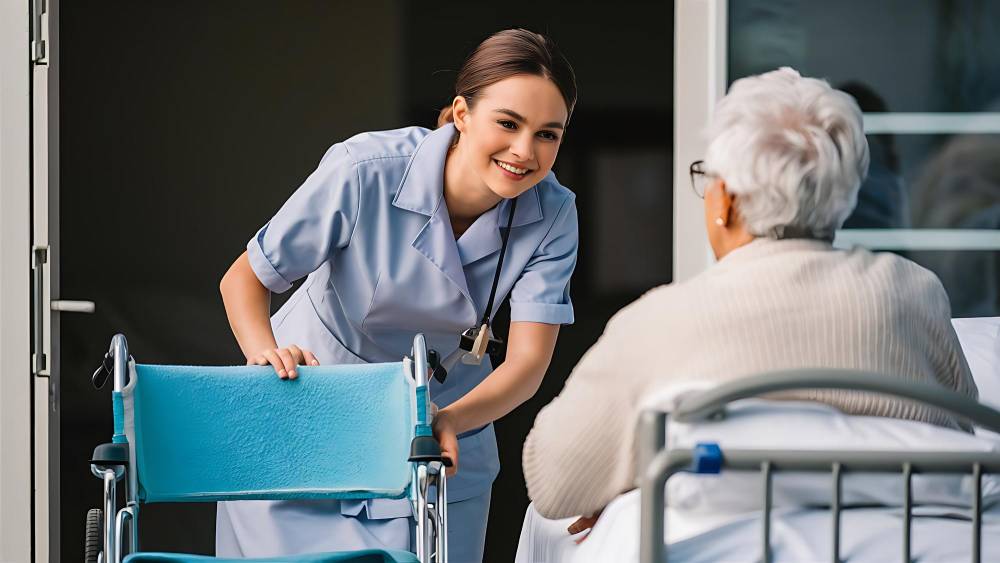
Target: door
[[46, 306], [15, 286]]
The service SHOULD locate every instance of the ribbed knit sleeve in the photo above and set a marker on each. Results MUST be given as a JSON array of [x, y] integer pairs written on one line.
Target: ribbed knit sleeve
[[578, 456]]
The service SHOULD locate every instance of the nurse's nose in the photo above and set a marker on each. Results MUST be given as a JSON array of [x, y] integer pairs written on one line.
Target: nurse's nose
[[523, 147]]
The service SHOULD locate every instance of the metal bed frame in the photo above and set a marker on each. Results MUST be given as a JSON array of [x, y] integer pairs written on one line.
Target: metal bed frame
[[658, 463], [111, 463]]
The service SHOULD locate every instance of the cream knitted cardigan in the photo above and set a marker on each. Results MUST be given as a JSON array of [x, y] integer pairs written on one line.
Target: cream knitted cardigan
[[768, 305]]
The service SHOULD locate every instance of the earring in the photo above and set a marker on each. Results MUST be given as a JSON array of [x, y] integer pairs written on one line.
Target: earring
[[720, 222]]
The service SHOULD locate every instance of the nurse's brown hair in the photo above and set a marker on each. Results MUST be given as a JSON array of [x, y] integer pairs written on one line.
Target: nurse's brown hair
[[508, 53]]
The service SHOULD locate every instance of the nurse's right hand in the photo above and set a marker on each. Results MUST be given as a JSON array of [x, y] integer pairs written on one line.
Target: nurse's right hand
[[284, 360]]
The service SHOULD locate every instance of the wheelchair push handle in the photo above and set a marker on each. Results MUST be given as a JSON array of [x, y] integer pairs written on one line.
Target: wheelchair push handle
[[115, 363], [424, 447], [420, 360]]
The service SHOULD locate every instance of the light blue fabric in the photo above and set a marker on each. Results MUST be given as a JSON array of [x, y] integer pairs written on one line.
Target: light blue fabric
[[371, 230], [214, 433], [265, 529], [467, 528], [366, 556]]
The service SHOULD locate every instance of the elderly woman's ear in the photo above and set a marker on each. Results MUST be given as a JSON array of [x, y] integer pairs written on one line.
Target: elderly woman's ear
[[726, 230], [718, 203]]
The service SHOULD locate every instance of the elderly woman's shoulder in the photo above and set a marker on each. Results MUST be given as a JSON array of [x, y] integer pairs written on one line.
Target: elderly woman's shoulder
[[900, 274], [657, 305]]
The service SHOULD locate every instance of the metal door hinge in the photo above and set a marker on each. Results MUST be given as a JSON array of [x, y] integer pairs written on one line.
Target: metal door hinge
[[39, 257], [39, 32]]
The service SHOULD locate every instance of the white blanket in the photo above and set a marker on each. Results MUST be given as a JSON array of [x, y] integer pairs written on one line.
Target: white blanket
[[869, 535]]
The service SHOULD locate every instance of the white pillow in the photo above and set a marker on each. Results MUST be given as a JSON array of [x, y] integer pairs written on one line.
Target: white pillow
[[980, 339], [759, 424]]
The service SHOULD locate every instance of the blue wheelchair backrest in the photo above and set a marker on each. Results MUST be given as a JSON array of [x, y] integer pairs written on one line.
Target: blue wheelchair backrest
[[231, 433]]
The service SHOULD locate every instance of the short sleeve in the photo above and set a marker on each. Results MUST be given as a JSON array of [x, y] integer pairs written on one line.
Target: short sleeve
[[317, 219], [541, 294]]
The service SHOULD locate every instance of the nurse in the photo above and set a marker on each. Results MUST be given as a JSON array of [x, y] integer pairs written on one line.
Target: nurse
[[403, 231]]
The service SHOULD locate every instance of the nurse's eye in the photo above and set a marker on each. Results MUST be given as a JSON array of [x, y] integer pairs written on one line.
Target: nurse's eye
[[548, 135], [507, 124]]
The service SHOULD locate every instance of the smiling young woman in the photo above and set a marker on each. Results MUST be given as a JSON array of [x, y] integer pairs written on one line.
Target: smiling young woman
[[408, 231]]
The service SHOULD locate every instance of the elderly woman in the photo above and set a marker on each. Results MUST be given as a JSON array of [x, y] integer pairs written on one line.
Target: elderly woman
[[786, 156]]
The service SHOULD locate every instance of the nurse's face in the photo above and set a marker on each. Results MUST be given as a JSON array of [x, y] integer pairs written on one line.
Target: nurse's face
[[511, 136]]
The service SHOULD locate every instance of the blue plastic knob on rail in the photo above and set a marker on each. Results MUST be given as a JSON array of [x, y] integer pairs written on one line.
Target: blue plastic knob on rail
[[707, 458]]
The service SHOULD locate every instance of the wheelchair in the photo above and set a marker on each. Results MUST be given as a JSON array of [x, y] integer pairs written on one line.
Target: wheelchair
[[208, 434]]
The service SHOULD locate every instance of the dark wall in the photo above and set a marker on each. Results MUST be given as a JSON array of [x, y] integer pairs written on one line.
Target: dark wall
[[185, 125]]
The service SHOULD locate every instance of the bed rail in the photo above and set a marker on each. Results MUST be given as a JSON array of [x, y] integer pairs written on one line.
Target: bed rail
[[658, 464]]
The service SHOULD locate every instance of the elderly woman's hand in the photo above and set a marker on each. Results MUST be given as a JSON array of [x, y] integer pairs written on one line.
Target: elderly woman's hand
[[583, 523], [284, 360]]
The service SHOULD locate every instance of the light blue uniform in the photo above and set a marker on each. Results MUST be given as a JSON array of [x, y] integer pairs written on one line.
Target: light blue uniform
[[371, 230]]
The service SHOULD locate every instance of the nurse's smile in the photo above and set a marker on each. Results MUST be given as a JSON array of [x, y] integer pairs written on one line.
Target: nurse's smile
[[511, 171]]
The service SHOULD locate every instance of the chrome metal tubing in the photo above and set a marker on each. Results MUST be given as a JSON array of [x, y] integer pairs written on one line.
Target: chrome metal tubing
[[765, 469], [907, 511], [123, 515], [110, 536], [420, 359], [442, 510], [119, 354], [666, 463], [433, 518], [652, 432], [422, 547], [838, 493], [704, 405], [120, 360], [653, 499], [133, 528], [977, 512]]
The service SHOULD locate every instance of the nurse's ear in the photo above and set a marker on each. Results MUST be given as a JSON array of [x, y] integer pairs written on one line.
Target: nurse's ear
[[460, 113]]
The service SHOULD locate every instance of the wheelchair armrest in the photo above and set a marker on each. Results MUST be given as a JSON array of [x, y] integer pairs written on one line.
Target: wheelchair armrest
[[110, 454], [426, 448]]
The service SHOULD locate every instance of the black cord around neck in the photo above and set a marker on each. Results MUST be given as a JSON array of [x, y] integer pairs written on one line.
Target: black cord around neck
[[503, 251]]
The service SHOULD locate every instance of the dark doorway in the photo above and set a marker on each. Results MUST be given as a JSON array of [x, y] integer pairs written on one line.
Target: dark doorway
[[185, 125]]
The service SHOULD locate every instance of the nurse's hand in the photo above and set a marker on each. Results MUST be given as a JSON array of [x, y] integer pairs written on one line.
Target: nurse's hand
[[444, 432], [284, 360]]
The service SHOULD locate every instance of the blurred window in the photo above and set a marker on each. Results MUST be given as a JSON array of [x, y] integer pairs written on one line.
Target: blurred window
[[926, 73]]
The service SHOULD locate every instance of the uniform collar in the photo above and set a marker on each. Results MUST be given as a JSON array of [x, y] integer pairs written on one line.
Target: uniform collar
[[422, 188], [483, 236]]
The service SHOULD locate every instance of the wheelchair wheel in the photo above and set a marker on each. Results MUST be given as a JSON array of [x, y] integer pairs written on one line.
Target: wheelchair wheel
[[94, 542]]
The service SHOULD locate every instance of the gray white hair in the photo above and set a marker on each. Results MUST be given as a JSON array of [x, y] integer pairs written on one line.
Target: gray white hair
[[792, 150]]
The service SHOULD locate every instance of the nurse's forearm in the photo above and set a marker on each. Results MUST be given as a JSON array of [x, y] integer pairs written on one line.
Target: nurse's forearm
[[248, 307], [530, 349]]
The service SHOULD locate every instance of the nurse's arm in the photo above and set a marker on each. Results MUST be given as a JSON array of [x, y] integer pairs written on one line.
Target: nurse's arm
[[248, 308], [529, 351]]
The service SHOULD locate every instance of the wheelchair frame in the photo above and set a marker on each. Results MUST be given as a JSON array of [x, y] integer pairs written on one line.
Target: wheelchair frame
[[111, 463]]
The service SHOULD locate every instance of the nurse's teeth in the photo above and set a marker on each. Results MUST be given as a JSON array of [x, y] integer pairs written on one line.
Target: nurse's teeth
[[513, 169]]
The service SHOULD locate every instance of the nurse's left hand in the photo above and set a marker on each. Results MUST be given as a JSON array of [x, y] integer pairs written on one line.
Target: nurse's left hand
[[444, 432]]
